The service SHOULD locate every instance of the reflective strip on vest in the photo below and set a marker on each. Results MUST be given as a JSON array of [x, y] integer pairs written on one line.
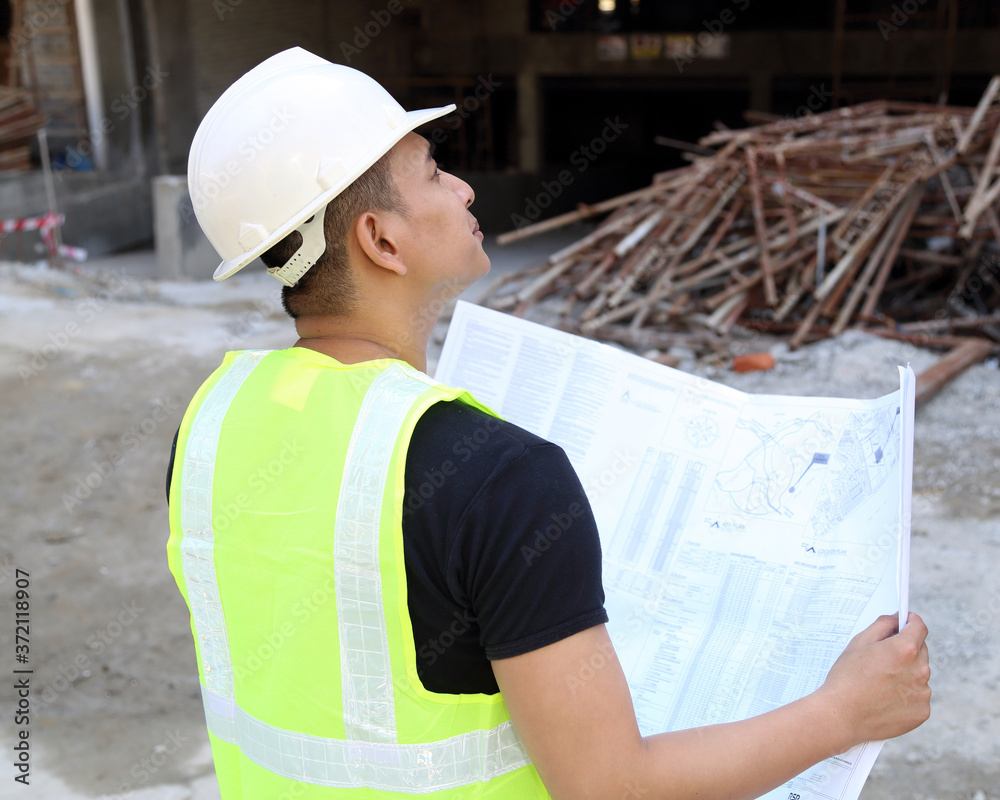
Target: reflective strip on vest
[[198, 543], [365, 669], [370, 756], [411, 768]]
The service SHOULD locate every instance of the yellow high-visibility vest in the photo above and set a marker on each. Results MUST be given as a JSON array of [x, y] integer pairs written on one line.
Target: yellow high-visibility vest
[[286, 541]]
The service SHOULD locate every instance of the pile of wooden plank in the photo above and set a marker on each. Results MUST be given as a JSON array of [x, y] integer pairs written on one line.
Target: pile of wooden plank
[[19, 122], [882, 215]]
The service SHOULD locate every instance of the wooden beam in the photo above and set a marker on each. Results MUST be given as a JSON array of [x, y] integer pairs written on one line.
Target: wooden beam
[[950, 366]]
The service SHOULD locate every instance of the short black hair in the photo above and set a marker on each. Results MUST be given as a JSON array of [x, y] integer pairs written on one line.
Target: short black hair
[[328, 288]]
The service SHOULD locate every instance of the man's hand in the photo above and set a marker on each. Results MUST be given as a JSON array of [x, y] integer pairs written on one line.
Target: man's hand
[[879, 683]]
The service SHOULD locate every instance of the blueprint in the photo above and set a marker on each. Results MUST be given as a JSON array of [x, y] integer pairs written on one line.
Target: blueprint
[[746, 538]]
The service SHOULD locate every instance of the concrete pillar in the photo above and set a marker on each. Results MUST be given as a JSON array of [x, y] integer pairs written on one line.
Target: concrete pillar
[[90, 69], [182, 250], [167, 225], [529, 121]]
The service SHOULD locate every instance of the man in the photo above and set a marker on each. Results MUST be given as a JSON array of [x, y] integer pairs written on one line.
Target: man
[[346, 531]]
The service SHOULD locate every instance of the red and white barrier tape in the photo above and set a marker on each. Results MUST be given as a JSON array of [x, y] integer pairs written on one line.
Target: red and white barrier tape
[[44, 222], [45, 225], [65, 250]]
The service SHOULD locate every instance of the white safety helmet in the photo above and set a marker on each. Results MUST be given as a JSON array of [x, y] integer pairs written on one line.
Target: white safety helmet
[[280, 143]]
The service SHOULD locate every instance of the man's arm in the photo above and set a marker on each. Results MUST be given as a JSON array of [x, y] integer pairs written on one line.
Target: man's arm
[[581, 733]]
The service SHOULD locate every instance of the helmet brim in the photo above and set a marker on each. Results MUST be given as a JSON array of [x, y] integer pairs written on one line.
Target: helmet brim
[[413, 120]]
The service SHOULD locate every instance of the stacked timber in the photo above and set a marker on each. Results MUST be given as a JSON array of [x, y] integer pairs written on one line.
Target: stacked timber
[[19, 122], [881, 215]]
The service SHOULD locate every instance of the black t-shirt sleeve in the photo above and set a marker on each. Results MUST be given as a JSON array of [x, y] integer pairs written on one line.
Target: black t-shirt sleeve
[[502, 551], [530, 545]]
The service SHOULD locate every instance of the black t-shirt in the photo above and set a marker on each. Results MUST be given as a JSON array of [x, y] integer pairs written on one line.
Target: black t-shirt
[[502, 554], [500, 546]]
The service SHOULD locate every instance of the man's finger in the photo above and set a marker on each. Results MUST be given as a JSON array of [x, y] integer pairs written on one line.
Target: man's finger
[[915, 629], [882, 628]]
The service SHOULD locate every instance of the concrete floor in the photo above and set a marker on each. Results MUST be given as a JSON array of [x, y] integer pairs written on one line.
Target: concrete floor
[[129, 723]]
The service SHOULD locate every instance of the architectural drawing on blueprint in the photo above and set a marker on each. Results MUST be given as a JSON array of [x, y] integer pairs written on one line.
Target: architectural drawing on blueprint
[[866, 455], [774, 468]]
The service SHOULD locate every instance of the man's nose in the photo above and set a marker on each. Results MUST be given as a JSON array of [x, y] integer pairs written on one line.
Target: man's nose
[[462, 189]]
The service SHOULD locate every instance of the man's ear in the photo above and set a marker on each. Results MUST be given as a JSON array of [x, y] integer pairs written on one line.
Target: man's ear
[[375, 235]]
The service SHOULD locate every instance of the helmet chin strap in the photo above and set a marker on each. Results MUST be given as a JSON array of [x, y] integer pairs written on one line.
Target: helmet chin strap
[[313, 246]]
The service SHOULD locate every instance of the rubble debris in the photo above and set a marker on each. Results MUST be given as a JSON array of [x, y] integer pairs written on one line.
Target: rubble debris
[[753, 362], [881, 215]]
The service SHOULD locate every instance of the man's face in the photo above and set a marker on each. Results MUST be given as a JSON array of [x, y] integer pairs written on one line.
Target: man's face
[[440, 239]]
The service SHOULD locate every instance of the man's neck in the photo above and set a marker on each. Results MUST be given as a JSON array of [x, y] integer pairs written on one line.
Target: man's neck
[[352, 344]]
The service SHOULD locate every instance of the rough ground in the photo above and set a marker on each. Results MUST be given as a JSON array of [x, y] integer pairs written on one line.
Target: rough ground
[[95, 371]]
